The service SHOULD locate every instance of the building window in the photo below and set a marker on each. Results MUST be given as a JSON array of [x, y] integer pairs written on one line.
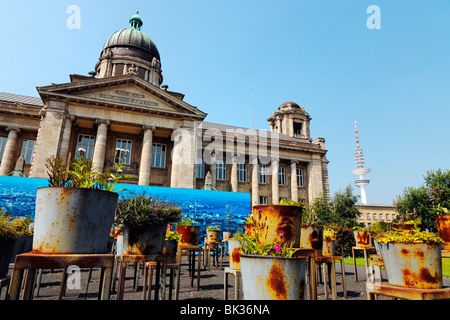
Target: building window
[[281, 176], [221, 170], [200, 168], [262, 173], [388, 217], [381, 216], [374, 216], [87, 143], [393, 216], [27, 150], [299, 177], [242, 172], [3, 141], [297, 129], [123, 151], [159, 155], [368, 216], [263, 200]]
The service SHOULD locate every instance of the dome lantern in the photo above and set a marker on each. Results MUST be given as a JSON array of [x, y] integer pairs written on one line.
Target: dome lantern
[[136, 21]]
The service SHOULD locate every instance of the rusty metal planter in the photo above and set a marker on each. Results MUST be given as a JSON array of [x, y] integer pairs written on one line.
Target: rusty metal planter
[[234, 253], [6, 251], [273, 278], [145, 240], [329, 248], [363, 238], [413, 265], [189, 234], [170, 250], [213, 235], [312, 238], [226, 235], [73, 220], [276, 220], [443, 226]]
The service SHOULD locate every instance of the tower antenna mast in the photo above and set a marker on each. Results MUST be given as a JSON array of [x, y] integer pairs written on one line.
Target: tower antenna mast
[[360, 170]]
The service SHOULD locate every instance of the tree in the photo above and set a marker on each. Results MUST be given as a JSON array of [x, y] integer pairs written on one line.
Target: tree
[[344, 208], [424, 198]]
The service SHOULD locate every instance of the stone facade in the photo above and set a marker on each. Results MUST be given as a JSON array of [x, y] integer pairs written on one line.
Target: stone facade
[[371, 213], [124, 106]]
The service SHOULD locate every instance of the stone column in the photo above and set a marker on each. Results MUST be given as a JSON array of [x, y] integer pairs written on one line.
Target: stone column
[[315, 182], [234, 175], [98, 158], [8, 154], [212, 169], [255, 181], [294, 182], [183, 158], [64, 149], [146, 156], [275, 187]]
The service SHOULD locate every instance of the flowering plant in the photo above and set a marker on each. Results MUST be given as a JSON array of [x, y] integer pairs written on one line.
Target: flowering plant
[[329, 234], [436, 197], [172, 234], [408, 236], [252, 245]]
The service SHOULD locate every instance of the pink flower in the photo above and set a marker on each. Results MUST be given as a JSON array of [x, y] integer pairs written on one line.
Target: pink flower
[[276, 247]]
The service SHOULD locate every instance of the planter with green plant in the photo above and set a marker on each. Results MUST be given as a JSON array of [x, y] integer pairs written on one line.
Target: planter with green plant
[[145, 219], [312, 232], [329, 241], [171, 244], [270, 271], [229, 214], [213, 233], [284, 218], [11, 229], [412, 258], [235, 251], [362, 235], [190, 233], [75, 213], [442, 217]]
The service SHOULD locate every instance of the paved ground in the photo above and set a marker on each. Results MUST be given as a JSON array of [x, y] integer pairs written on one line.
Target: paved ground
[[211, 285]]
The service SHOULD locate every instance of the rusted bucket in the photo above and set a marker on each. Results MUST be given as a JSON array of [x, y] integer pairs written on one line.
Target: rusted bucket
[[170, 250], [226, 235], [6, 253], [273, 278], [363, 238], [234, 254], [443, 226], [189, 234], [73, 220], [276, 220], [312, 238], [413, 265], [329, 248], [213, 235], [147, 240]]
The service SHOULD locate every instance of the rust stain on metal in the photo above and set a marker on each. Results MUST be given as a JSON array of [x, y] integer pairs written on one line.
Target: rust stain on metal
[[316, 240], [443, 226], [422, 280], [363, 238], [276, 281], [236, 255], [404, 252], [420, 254]]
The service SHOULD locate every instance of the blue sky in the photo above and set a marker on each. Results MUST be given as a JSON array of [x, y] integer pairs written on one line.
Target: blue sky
[[393, 81]]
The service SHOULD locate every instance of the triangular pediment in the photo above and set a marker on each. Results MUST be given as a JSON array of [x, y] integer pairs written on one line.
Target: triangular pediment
[[127, 92]]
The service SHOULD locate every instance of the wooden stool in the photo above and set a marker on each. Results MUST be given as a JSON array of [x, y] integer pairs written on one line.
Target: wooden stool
[[4, 283], [384, 288], [366, 260], [30, 262], [125, 258], [209, 246], [324, 260], [191, 250], [236, 273], [174, 267], [310, 255]]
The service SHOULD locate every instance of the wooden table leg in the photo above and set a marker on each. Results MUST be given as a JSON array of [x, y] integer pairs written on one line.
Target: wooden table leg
[[354, 265]]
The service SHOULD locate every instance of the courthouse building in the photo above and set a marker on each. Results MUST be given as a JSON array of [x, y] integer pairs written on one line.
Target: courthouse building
[[124, 104]]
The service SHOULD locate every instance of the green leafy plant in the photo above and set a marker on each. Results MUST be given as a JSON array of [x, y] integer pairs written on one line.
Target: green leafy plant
[[408, 236], [141, 210], [187, 221], [252, 245], [213, 228], [79, 174], [284, 202], [13, 227], [172, 234], [329, 234]]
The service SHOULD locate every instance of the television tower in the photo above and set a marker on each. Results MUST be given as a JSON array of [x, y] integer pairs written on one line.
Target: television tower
[[360, 171]]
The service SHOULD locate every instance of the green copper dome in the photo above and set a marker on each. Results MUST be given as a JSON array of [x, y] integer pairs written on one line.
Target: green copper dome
[[133, 38]]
